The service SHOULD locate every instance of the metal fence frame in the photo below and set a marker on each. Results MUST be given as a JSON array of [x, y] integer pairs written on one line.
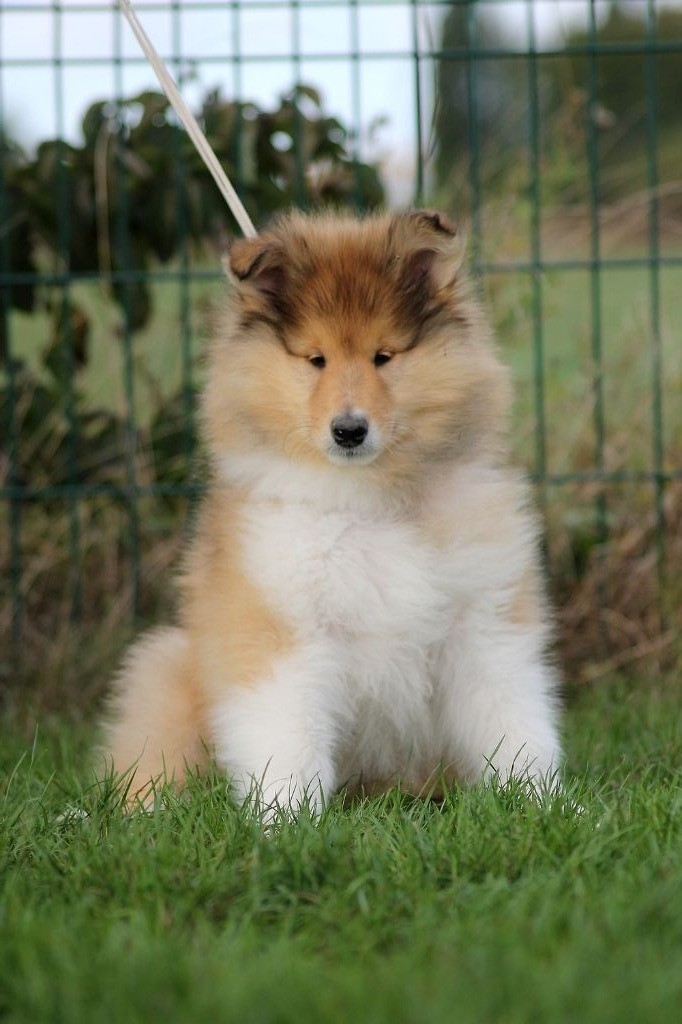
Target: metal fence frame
[[14, 496]]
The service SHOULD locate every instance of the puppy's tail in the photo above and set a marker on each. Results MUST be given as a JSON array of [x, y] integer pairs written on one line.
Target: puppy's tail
[[153, 729]]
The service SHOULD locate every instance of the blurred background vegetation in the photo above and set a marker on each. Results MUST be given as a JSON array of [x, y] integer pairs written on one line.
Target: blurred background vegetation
[[567, 168], [615, 102]]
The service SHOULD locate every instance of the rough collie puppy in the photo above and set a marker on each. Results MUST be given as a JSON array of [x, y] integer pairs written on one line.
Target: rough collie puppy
[[362, 600]]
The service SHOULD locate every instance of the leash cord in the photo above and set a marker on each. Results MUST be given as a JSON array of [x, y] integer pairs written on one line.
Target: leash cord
[[189, 121]]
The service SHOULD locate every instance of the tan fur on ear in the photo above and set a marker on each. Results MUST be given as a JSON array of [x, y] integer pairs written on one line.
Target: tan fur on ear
[[256, 264], [242, 255], [433, 247], [432, 221]]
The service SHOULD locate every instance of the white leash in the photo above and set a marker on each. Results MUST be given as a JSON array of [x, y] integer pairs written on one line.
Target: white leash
[[189, 121]]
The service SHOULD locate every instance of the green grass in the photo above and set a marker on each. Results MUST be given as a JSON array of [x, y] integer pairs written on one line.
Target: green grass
[[156, 350], [569, 370], [487, 908]]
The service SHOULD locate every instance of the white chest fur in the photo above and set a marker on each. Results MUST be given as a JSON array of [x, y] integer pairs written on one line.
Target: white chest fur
[[372, 594], [402, 656], [345, 573]]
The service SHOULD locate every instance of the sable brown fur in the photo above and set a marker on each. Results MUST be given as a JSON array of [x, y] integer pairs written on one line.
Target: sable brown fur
[[329, 315]]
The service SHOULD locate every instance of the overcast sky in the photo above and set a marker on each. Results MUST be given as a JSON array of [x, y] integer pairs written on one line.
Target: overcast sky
[[91, 34]]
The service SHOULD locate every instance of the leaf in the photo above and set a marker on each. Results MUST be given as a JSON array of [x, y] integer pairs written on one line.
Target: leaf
[[134, 299], [308, 90], [172, 439], [67, 351]]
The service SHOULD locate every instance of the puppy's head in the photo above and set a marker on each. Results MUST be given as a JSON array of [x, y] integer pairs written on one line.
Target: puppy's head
[[354, 342]]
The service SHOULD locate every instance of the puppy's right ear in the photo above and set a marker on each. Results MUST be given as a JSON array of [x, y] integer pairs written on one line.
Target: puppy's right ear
[[256, 267]]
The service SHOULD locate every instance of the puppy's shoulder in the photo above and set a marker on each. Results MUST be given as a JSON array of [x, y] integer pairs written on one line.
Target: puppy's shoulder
[[479, 504]]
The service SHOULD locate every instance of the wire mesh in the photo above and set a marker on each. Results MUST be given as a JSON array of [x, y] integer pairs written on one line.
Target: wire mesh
[[231, 57]]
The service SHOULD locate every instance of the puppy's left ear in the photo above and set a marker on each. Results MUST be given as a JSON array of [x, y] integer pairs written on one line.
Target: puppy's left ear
[[430, 249]]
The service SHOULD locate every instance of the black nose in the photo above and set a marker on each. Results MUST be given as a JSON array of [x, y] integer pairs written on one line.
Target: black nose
[[349, 431]]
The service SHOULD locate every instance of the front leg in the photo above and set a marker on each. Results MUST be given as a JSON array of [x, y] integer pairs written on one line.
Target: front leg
[[498, 705], [276, 737]]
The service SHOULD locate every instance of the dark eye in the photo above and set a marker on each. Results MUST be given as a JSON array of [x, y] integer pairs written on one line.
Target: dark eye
[[319, 362], [381, 358]]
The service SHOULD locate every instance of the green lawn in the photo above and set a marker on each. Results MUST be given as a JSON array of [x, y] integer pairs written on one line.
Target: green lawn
[[488, 908]]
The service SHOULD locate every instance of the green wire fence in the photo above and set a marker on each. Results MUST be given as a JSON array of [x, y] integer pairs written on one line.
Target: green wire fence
[[500, 114]]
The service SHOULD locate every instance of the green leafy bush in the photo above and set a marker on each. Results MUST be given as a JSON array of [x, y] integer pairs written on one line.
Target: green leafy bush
[[133, 195]]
